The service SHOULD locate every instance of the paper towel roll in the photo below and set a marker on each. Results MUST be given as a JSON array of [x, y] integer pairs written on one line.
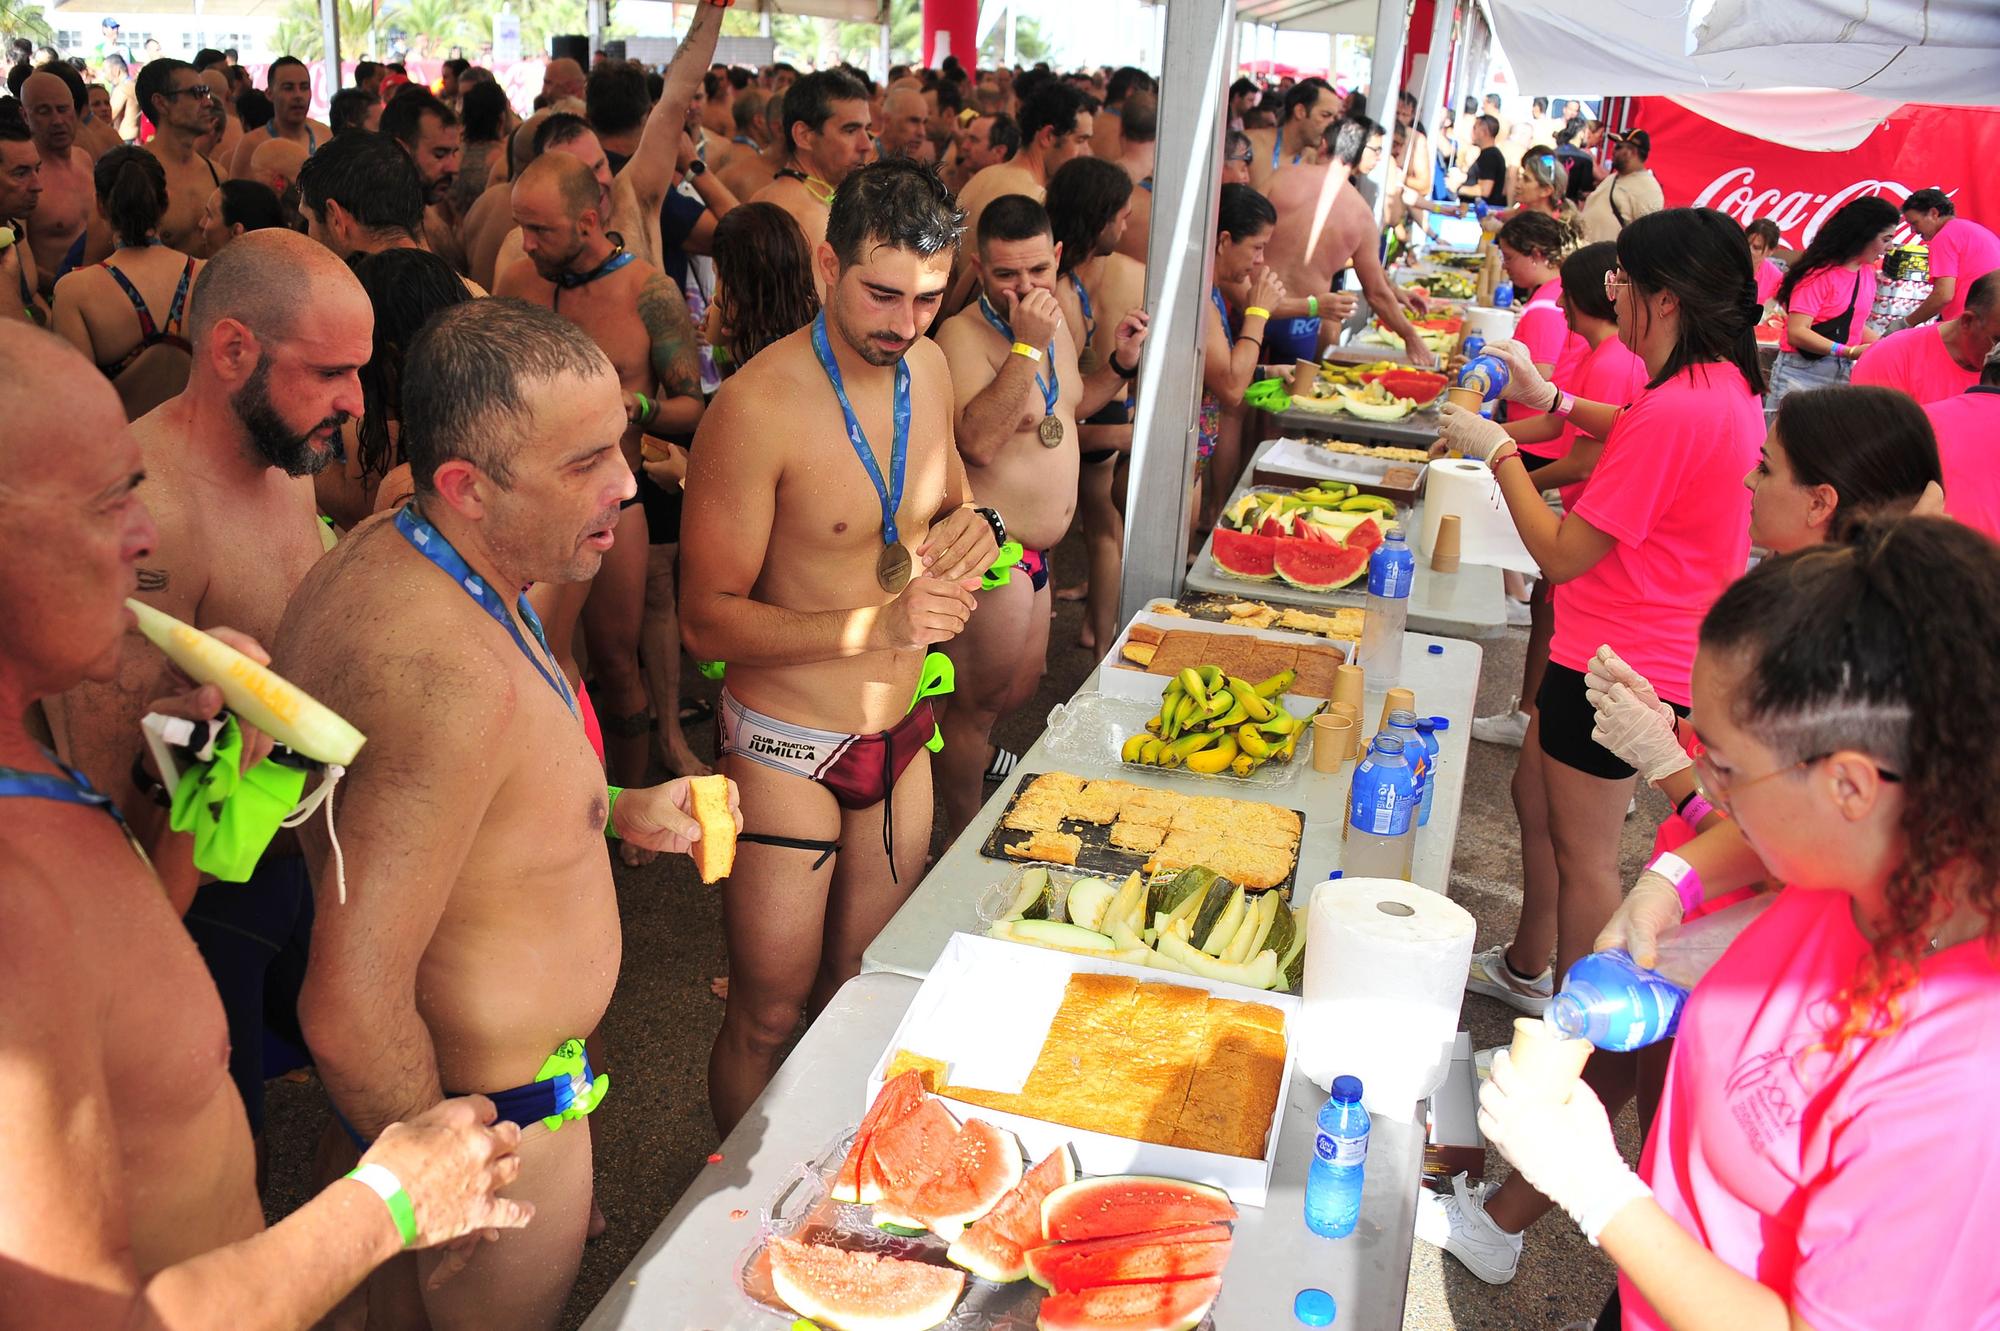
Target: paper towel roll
[[1466, 489], [1492, 324], [1384, 977]]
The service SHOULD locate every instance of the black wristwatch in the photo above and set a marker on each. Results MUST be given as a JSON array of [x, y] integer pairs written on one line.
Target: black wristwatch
[[695, 168], [993, 520]]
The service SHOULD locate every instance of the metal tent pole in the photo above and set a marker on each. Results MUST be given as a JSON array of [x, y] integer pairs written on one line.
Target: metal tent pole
[[1385, 78], [1194, 82], [594, 11], [329, 27], [1429, 101]]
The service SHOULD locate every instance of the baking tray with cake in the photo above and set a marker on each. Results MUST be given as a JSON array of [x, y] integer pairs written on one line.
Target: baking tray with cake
[[1255, 647], [1340, 626]]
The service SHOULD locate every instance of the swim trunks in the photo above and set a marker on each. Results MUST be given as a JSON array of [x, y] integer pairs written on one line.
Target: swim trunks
[[859, 770], [1035, 563], [663, 511], [566, 1087], [1287, 340]]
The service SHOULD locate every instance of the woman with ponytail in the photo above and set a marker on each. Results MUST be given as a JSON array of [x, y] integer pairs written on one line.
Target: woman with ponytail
[[108, 310], [1827, 295]]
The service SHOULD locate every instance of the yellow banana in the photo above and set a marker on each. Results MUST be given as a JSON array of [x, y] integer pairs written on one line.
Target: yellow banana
[[1211, 677], [1149, 752], [1257, 708], [1244, 764], [1235, 716], [1130, 752], [1191, 685], [1284, 755], [1276, 684], [1212, 760], [1252, 742]]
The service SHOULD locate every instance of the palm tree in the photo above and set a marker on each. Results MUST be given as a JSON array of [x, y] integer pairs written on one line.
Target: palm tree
[[429, 26], [20, 19], [299, 31]]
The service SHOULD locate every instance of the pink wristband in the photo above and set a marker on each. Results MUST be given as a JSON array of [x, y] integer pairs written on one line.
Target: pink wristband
[[1696, 809], [1682, 875]]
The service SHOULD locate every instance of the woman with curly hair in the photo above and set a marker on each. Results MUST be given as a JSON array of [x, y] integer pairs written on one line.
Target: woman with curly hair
[[1830, 1067], [764, 283]]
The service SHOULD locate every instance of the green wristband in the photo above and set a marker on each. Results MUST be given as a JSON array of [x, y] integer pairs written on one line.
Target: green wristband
[[384, 1184], [646, 408], [611, 802], [1312, 307]]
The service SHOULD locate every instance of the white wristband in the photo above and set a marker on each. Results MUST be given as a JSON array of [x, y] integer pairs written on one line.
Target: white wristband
[[1616, 1194]]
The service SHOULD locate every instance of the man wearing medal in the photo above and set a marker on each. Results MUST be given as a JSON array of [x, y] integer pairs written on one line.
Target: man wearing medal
[[1019, 395], [826, 124], [829, 542]]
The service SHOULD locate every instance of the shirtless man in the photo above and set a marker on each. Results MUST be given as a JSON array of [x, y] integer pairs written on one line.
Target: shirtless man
[[634, 312], [360, 194], [905, 126], [288, 84], [280, 330], [1056, 125], [226, 131], [787, 577], [1323, 227], [561, 78], [176, 99], [826, 130], [489, 223], [131, 1197], [1139, 129], [276, 165], [745, 172], [480, 930], [1016, 427], [20, 194], [1310, 107], [986, 140], [124, 98], [68, 198], [1108, 141], [97, 129]]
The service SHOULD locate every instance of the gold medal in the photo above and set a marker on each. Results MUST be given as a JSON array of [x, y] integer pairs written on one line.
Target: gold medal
[[892, 568], [1051, 431], [1086, 361]]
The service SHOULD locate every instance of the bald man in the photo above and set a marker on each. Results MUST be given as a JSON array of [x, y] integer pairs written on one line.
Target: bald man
[[751, 168], [132, 1196], [68, 197], [905, 121], [632, 310], [280, 329], [561, 77], [275, 163]]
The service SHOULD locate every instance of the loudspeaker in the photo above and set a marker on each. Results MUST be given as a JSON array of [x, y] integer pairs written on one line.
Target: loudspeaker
[[576, 47]]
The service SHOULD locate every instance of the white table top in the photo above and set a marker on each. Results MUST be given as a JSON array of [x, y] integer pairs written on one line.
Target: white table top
[[683, 1279], [1446, 684]]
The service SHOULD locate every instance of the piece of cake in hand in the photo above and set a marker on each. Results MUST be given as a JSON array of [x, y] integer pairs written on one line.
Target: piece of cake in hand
[[715, 854]]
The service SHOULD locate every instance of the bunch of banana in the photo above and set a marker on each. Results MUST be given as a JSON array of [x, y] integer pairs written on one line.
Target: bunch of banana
[[1344, 498], [1210, 722], [1351, 374]]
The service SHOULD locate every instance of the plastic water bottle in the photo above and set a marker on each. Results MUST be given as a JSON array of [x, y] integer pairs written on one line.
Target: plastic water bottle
[[1391, 571], [1403, 725], [1381, 814], [1503, 295], [1618, 1005], [1427, 728], [1340, 1156]]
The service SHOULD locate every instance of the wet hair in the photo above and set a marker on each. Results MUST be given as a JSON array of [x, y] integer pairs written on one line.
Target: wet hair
[[1140, 121], [1013, 217], [371, 177], [1700, 256], [348, 111], [406, 287], [1874, 446], [1306, 93], [463, 377], [1053, 105], [1766, 228], [254, 109], [1841, 239], [1347, 139], [764, 278], [482, 111], [155, 76], [1126, 80], [614, 97], [897, 203], [560, 128], [1539, 236], [403, 118], [1244, 212], [1583, 280], [1004, 132], [271, 73], [1084, 197], [131, 193], [251, 205], [1929, 200], [809, 101], [1877, 644]]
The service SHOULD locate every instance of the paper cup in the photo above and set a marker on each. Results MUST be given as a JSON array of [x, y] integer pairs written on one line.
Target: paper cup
[[1305, 373], [1545, 1066], [1396, 700], [1445, 544], [1349, 683], [1333, 740], [1469, 398]]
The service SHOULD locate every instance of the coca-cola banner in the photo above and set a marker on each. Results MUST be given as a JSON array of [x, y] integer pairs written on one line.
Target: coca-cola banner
[[1703, 164]]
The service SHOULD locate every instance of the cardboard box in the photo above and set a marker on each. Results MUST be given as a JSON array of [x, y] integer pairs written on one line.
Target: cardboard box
[[985, 1009], [1454, 1144]]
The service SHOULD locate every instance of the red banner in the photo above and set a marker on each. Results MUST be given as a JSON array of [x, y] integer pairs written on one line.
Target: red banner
[[1705, 165]]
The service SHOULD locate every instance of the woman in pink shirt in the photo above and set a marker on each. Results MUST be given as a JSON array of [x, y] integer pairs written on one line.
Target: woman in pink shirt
[[1826, 1104], [1827, 295], [1763, 235]]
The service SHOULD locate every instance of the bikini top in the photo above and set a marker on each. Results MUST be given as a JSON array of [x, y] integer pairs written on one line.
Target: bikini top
[[149, 334]]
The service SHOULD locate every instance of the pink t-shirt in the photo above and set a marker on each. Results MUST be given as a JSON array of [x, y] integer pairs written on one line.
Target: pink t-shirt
[[1769, 274], [1825, 294], [1968, 440], [1669, 492], [1916, 361], [1964, 251], [1608, 372], [1544, 331], [1853, 1188]]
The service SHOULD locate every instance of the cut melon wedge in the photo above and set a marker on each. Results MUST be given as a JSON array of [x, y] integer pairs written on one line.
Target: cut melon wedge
[[1117, 1204], [996, 1247], [1175, 1306], [1045, 1261], [898, 1098], [982, 1166], [862, 1291]]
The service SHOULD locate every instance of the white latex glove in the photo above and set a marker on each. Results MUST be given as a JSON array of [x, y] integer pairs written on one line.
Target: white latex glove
[[1565, 1150], [1632, 722], [1525, 383], [1652, 907], [1469, 433]]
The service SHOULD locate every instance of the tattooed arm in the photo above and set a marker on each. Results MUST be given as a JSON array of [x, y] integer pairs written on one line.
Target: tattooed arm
[[651, 170], [676, 356]]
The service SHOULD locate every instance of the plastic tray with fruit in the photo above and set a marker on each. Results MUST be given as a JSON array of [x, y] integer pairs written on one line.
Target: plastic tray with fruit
[[1317, 539], [1213, 724], [1096, 727]]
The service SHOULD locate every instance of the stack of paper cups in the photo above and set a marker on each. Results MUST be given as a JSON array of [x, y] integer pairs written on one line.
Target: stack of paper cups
[[1305, 373], [1349, 683], [1384, 977], [1445, 544], [1350, 739], [1396, 700]]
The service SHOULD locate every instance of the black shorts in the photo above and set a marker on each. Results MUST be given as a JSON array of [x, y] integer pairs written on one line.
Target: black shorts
[[1566, 722], [663, 511], [1534, 462]]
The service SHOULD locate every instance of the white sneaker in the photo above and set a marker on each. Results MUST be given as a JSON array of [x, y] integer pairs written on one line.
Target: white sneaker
[[1509, 728], [1489, 974], [1517, 614], [1459, 1224]]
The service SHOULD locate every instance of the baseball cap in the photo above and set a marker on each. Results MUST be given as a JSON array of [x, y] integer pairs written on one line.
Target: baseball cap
[[1638, 138], [110, 23]]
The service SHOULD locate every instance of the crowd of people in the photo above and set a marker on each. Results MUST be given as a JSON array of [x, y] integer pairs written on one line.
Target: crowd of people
[[300, 421]]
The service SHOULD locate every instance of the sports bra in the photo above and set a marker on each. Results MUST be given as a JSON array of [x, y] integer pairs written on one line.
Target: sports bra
[[149, 334]]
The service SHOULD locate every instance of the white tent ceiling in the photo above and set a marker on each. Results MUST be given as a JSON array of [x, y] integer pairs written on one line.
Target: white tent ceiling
[[1349, 16]]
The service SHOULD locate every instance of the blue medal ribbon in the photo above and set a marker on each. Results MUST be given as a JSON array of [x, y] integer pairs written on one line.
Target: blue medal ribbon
[[429, 542], [890, 495], [1083, 303], [76, 789], [1052, 386], [1222, 308], [619, 258]]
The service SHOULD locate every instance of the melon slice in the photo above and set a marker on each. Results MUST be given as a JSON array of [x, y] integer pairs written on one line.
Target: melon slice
[[1174, 1306], [911, 1150], [1043, 1262], [995, 1248], [982, 1166], [1135, 1263], [1313, 567], [1099, 1208], [898, 1097], [1244, 555], [862, 1291], [1366, 534]]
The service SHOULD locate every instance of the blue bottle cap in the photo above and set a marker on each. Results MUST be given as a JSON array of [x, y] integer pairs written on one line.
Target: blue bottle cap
[[1347, 1088], [1335, 874], [1441, 722], [1314, 1307], [1437, 649]]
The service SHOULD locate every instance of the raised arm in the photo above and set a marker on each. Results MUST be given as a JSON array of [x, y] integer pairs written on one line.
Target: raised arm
[[1127, 345], [651, 170]]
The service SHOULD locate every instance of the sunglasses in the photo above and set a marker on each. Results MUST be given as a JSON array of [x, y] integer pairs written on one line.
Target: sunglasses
[[199, 92]]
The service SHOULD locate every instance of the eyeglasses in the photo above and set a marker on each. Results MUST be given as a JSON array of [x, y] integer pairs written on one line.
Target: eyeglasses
[[1718, 789], [1613, 280], [200, 92]]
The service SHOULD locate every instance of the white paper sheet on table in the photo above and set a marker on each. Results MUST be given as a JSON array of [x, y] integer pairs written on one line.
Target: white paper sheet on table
[[1486, 529]]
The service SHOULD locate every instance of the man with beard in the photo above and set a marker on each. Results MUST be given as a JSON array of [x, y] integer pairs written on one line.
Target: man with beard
[[288, 83], [428, 131], [822, 560], [1056, 125], [360, 194], [826, 132], [1019, 396], [580, 270], [280, 329], [985, 141], [68, 197], [480, 930], [175, 99]]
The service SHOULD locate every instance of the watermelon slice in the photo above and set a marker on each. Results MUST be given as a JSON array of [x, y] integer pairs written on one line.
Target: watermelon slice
[[1099, 1208], [983, 1166], [1135, 1264], [1313, 567], [910, 1151], [1243, 555], [1175, 1306], [1366, 534], [862, 1291], [898, 1098], [1274, 526], [1046, 1262], [995, 1248]]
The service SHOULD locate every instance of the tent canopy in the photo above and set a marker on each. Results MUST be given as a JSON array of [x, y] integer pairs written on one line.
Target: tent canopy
[[1939, 51], [1343, 16]]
